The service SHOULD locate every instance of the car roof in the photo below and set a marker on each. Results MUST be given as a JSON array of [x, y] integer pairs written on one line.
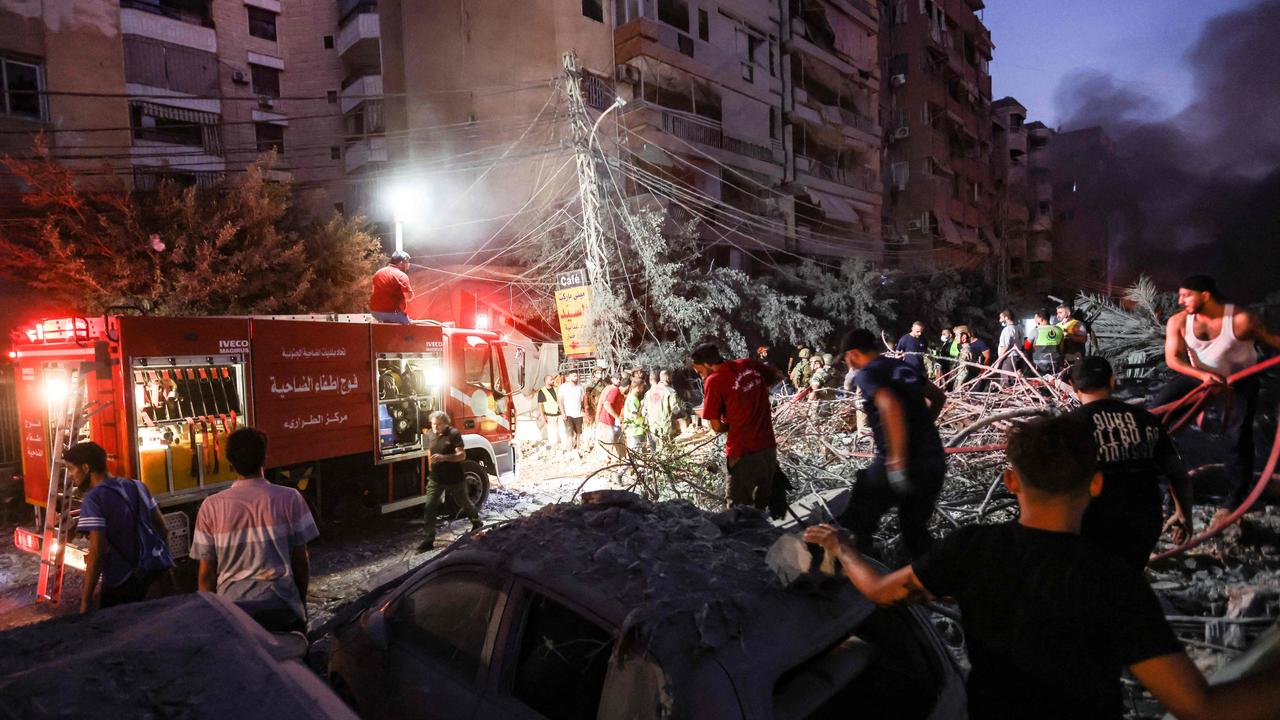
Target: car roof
[[679, 583]]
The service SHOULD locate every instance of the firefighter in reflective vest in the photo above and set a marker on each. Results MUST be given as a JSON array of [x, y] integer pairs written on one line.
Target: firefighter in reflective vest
[[1046, 346], [549, 410], [1074, 336]]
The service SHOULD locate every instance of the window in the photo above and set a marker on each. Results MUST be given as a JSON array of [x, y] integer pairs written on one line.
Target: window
[[174, 67], [270, 137], [447, 617], [477, 363], [901, 174], [328, 42], [674, 13], [562, 663], [704, 26], [266, 80], [624, 11], [335, 152], [684, 44], [262, 23], [177, 126], [20, 82], [331, 96], [593, 9], [156, 127], [900, 12]]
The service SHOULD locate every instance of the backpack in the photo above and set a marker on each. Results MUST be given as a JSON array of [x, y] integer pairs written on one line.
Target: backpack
[[153, 550]]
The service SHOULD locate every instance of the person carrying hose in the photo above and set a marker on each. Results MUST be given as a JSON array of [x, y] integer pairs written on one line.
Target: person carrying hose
[[1206, 342]]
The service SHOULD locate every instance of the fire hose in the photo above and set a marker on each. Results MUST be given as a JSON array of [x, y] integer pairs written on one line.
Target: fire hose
[[1194, 401]]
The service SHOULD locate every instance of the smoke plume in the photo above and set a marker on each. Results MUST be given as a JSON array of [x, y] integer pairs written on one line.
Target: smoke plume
[[1198, 191]]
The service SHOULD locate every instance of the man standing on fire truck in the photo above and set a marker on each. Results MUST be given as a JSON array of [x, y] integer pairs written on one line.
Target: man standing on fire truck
[[391, 290]]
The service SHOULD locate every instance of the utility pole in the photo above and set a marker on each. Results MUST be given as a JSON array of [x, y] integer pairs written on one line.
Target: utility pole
[[608, 328]]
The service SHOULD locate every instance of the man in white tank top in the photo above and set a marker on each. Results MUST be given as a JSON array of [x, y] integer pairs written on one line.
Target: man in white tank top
[[1207, 342]]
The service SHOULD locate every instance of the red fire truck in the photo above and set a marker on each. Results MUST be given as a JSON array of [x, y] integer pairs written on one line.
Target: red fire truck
[[344, 402]]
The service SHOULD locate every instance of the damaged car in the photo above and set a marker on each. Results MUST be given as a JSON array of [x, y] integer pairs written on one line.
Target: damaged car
[[621, 608]]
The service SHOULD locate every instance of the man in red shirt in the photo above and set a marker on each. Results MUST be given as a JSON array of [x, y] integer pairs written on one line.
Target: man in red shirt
[[391, 290], [609, 418], [736, 402]]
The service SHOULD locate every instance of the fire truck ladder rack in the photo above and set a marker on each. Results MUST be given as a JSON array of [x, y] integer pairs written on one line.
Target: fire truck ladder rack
[[58, 514]]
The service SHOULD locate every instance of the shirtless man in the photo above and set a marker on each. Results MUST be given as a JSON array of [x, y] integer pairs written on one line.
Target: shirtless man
[[1206, 342]]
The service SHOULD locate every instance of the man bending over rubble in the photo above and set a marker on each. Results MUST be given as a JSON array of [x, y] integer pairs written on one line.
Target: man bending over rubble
[[1050, 619], [909, 464]]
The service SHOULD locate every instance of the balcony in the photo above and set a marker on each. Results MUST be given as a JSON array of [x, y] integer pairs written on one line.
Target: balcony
[[692, 128], [703, 131], [188, 11], [861, 178], [362, 89], [363, 152], [359, 41], [149, 21]]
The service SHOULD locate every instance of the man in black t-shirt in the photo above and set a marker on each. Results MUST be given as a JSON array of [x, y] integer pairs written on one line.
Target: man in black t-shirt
[[1050, 619], [1134, 451], [909, 465], [446, 454]]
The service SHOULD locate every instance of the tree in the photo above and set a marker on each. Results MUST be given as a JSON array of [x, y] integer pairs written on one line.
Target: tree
[[236, 249]]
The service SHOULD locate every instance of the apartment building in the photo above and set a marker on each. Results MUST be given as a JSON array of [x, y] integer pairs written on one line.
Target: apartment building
[[936, 106], [185, 89], [1087, 222], [764, 109], [1022, 165]]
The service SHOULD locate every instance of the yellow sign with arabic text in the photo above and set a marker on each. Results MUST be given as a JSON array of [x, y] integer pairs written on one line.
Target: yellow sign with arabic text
[[573, 298]]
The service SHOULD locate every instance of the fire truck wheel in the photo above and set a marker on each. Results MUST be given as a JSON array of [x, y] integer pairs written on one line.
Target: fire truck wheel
[[477, 480]]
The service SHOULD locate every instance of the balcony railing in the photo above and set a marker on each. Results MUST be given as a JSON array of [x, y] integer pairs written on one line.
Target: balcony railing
[[861, 178], [748, 149], [347, 8], [693, 129], [861, 122], [192, 11]]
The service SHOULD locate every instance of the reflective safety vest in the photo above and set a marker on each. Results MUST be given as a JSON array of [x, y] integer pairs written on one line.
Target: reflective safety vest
[[1048, 337], [547, 396]]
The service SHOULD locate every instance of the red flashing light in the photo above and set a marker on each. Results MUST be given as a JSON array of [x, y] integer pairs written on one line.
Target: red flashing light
[[482, 321], [13, 354]]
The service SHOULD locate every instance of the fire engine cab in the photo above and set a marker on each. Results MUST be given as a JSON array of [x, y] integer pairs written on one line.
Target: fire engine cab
[[344, 400]]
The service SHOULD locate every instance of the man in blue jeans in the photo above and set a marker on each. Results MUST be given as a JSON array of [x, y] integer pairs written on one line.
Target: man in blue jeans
[[909, 463]]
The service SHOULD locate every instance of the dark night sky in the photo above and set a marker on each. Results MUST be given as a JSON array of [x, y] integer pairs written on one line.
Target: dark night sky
[[1190, 92], [1143, 42]]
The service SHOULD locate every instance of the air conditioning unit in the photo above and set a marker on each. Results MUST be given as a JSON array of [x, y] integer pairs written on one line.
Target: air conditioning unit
[[897, 80], [627, 74], [265, 102], [902, 133], [239, 77]]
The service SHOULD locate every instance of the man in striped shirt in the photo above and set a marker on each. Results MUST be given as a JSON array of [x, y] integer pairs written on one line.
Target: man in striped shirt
[[251, 540]]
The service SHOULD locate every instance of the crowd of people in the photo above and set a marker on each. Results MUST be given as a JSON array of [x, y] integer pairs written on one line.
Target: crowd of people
[[622, 413], [1054, 605]]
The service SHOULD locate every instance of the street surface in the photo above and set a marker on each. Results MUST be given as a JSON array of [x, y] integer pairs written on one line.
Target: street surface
[[349, 559]]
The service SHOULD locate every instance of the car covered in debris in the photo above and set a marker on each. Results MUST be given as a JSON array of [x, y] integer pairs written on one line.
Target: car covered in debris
[[196, 656], [622, 608]]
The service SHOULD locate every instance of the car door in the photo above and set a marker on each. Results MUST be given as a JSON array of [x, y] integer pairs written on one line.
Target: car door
[[442, 634], [552, 663]]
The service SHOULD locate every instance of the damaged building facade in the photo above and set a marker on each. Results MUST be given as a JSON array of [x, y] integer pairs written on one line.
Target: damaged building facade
[[936, 107], [1024, 201], [765, 110], [183, 89]]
